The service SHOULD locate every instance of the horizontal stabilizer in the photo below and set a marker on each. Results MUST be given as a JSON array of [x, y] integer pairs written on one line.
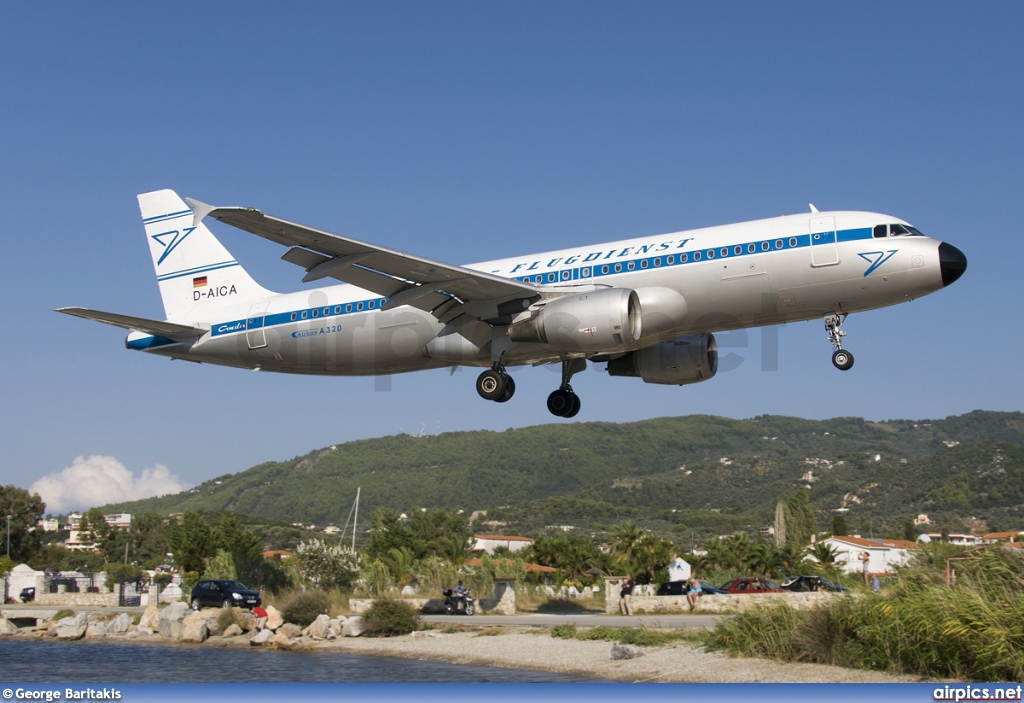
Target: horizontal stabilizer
[[155, 327]]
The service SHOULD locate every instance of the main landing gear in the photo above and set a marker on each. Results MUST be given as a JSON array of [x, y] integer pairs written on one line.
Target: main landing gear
[[495, 384], [841, 359], [564, 402]]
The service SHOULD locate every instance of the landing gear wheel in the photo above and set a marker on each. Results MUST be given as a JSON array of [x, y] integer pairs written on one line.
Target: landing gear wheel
[[842, 359], [575, 406], [510, 390], [491, 384], [560, 402]]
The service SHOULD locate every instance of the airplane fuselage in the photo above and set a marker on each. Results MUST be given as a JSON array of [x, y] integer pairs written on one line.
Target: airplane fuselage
[[764, 272]]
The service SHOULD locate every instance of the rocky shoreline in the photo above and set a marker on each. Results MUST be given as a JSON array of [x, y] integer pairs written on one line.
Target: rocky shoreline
[[504, 647]]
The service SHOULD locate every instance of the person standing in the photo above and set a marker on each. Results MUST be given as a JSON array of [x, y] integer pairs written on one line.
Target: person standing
[[864, 559], [625, 593]]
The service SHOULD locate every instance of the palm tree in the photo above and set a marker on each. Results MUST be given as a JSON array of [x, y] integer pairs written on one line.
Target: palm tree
[[763, 558], [825, 554], [400, 562]]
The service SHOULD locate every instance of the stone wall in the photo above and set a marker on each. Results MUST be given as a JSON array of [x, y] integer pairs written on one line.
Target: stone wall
[[72, 600], [721, 603]]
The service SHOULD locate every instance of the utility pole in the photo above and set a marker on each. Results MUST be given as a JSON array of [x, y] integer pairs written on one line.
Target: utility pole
[[9, 536]]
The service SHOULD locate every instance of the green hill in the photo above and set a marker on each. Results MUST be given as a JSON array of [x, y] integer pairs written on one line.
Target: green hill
[[695, 472]]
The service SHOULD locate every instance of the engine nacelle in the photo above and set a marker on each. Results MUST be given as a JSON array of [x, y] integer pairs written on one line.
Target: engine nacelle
[[685, 360], [603, 320]]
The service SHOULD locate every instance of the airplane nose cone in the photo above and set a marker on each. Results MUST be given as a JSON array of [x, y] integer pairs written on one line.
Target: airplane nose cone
[[952, 263]]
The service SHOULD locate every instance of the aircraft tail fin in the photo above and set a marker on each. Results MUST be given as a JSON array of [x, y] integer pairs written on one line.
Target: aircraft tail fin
[[195, 272]]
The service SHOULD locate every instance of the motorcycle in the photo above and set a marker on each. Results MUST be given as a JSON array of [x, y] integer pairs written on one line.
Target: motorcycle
[[455, 604]]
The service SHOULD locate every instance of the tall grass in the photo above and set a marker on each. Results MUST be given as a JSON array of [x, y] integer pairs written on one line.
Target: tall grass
[[972, 630]]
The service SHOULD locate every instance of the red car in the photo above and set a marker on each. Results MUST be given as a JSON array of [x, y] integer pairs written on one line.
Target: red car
[[751, 585]]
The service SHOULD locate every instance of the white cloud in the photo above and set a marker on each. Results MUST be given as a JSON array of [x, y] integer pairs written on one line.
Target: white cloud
[[98, 480]]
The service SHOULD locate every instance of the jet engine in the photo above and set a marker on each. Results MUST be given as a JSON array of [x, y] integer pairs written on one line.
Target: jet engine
[[603, 320], [685, 360]]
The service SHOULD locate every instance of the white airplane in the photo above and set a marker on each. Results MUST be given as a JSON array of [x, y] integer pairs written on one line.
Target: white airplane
[[648, 307]]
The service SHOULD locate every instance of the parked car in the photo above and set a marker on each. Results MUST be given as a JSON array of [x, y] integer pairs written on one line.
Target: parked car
[[223, 593], [811, 583], [678, 588], [751, 585], [27, 595]]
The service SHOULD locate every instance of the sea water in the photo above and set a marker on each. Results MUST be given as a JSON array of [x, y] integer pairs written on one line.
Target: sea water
[[47, 661]]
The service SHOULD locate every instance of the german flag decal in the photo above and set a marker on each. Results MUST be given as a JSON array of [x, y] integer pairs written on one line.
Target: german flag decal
[[199, 282]]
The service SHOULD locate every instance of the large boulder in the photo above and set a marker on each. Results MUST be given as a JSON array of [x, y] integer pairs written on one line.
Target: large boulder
[[193, 632], [246, 621], [211, 618], [352, 627], [120, 624], [262, 637], [96, 629], [72, 628], [320, 628], [290, 630], [274, 618], [233, 630], [334, 629], [171, 618], [150, 618]]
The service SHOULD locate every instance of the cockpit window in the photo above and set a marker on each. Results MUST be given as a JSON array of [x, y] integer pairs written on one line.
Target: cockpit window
[[895, 230]]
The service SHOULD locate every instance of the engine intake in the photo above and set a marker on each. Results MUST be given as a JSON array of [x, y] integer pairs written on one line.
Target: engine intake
[[685, 360], [604, 320]]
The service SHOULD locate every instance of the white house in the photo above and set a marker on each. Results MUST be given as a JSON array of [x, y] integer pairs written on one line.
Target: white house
[[487, 543], [883, 554]]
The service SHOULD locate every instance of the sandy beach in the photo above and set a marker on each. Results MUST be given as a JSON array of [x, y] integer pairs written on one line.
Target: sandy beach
[[525, 649]]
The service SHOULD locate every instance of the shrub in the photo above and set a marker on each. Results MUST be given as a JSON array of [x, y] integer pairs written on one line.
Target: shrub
[[564, 632], [225, 618], [63, 613], [389, 617], [304, 607]]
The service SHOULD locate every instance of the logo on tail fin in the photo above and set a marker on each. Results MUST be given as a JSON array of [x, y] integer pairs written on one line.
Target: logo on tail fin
[[176, 237]]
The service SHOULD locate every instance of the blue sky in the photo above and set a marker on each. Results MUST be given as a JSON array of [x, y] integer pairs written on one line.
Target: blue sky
[[473, 131]]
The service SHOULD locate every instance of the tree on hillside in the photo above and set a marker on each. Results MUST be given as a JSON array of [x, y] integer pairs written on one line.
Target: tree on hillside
[[800, 520], [839, 528], [192, 543], [387, 532], [25, 510], [237, 541]]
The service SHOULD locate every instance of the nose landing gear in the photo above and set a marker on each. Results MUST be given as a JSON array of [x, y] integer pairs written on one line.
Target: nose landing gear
[[841, 358]]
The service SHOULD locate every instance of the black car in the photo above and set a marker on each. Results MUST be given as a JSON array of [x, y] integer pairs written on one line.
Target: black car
[[804, 584], [678, 588], [223, 593]]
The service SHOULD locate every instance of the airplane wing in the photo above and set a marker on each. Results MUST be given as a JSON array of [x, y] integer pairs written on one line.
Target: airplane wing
[[179, 333], [446, 290]]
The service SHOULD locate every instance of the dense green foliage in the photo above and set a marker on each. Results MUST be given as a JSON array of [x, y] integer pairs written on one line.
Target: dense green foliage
[[594, 474], [972, 629], [304, 607], [25, 510], [388, 617]]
